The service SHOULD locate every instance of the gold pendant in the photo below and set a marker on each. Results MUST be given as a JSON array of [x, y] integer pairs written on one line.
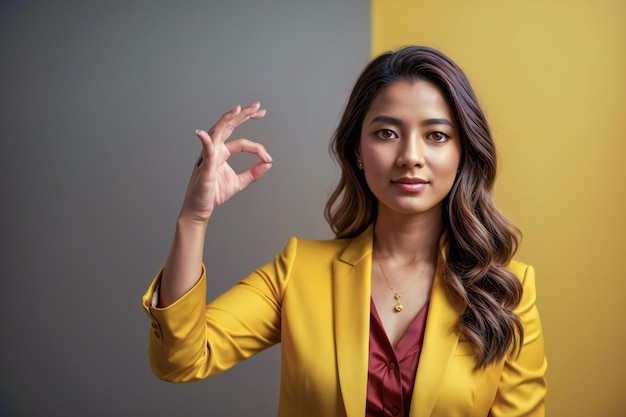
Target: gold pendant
[[398, 306]]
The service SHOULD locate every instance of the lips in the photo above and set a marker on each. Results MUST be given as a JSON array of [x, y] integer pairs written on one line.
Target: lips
[[409, 180], [410, 184]]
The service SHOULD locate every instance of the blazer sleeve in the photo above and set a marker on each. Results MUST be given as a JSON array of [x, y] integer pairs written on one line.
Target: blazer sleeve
[[190, 340], [522, 387]]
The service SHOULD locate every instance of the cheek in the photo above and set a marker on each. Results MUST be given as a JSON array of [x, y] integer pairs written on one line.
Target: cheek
[[450, 161], [446, 164], [374, 157]]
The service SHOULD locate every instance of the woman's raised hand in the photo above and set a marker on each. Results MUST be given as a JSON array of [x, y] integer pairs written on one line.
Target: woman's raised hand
[[213, 181]]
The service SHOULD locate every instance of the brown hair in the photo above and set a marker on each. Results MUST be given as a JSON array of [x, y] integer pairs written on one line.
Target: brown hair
[[480, 240]]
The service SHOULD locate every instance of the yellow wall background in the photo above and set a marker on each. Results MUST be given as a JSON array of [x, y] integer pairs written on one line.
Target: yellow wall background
[[551, 76]]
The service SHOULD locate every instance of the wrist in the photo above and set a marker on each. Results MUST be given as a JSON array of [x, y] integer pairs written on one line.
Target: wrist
[[184, 223]]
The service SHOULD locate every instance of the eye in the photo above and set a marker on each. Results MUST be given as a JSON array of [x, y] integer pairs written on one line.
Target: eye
[[438, 137], [386, 134]]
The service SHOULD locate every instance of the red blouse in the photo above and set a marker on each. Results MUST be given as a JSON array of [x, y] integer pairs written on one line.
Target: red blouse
[[391, 372]]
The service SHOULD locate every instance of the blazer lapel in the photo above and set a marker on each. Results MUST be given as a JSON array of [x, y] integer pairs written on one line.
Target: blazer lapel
[[352, 293], [440, 340]]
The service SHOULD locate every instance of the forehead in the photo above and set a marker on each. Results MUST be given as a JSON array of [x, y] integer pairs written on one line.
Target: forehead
[[415, 100]]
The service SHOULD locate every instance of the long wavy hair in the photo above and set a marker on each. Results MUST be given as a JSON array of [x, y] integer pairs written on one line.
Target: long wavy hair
[[480, 241]]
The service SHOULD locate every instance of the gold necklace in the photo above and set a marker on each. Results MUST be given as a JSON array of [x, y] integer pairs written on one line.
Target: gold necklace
[[396, 294]]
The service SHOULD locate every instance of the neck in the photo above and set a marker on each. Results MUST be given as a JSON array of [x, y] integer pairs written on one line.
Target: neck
[[408, 239]]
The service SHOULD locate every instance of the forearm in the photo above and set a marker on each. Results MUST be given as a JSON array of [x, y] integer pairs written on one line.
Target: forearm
[[212, 183], [184, 263]]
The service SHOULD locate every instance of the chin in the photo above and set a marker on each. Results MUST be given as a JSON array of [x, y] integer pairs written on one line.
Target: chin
[[412, 210]]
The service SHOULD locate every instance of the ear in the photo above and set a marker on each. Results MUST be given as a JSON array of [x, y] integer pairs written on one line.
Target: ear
[[357, 152], [359, 161]]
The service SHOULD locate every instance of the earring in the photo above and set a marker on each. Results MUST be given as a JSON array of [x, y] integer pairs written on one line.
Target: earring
[[359, 163]]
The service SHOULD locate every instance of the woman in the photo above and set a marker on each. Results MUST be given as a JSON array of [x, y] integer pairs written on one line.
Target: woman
[[415, 309]]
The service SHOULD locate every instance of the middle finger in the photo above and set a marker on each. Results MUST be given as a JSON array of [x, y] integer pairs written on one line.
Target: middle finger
[[222, 130]]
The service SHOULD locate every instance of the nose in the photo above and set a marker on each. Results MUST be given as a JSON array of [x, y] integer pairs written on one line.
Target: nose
[[411, 152]]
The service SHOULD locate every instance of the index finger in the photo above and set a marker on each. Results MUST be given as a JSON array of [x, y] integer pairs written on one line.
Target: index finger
[[248, 146]]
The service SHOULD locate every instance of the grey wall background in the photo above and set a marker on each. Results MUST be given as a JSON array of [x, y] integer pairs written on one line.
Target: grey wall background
[[98, 106]]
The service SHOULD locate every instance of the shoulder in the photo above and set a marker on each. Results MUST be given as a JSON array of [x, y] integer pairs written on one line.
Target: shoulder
[[315, 249], [520, 269], [322, 252], [526, 274]]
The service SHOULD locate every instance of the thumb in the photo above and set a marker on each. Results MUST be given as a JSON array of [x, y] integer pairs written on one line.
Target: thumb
[[255, 173]]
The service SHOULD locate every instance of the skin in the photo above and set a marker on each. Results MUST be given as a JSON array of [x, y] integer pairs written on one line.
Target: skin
[[410, 150], [212, 183]]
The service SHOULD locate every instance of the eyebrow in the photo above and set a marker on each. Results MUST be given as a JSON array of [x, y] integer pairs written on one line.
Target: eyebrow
[[442, 121], [395, 121]]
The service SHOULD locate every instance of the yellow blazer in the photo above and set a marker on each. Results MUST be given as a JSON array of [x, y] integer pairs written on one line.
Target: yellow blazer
[[314, 299]]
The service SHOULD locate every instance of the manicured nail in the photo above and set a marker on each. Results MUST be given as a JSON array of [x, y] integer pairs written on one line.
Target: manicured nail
[[268, 158]]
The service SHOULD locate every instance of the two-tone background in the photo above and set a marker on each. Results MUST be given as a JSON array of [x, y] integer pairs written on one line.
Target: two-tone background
[[98, 105]]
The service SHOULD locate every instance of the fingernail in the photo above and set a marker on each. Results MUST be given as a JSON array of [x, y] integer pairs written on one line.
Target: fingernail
[[268, 158], [197, 131], [235, 109]]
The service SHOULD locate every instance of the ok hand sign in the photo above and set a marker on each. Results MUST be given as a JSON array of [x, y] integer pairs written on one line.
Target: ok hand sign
[[213, 180]]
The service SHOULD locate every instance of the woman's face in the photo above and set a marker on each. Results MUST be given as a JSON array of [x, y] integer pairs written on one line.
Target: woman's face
[[410, 148]]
